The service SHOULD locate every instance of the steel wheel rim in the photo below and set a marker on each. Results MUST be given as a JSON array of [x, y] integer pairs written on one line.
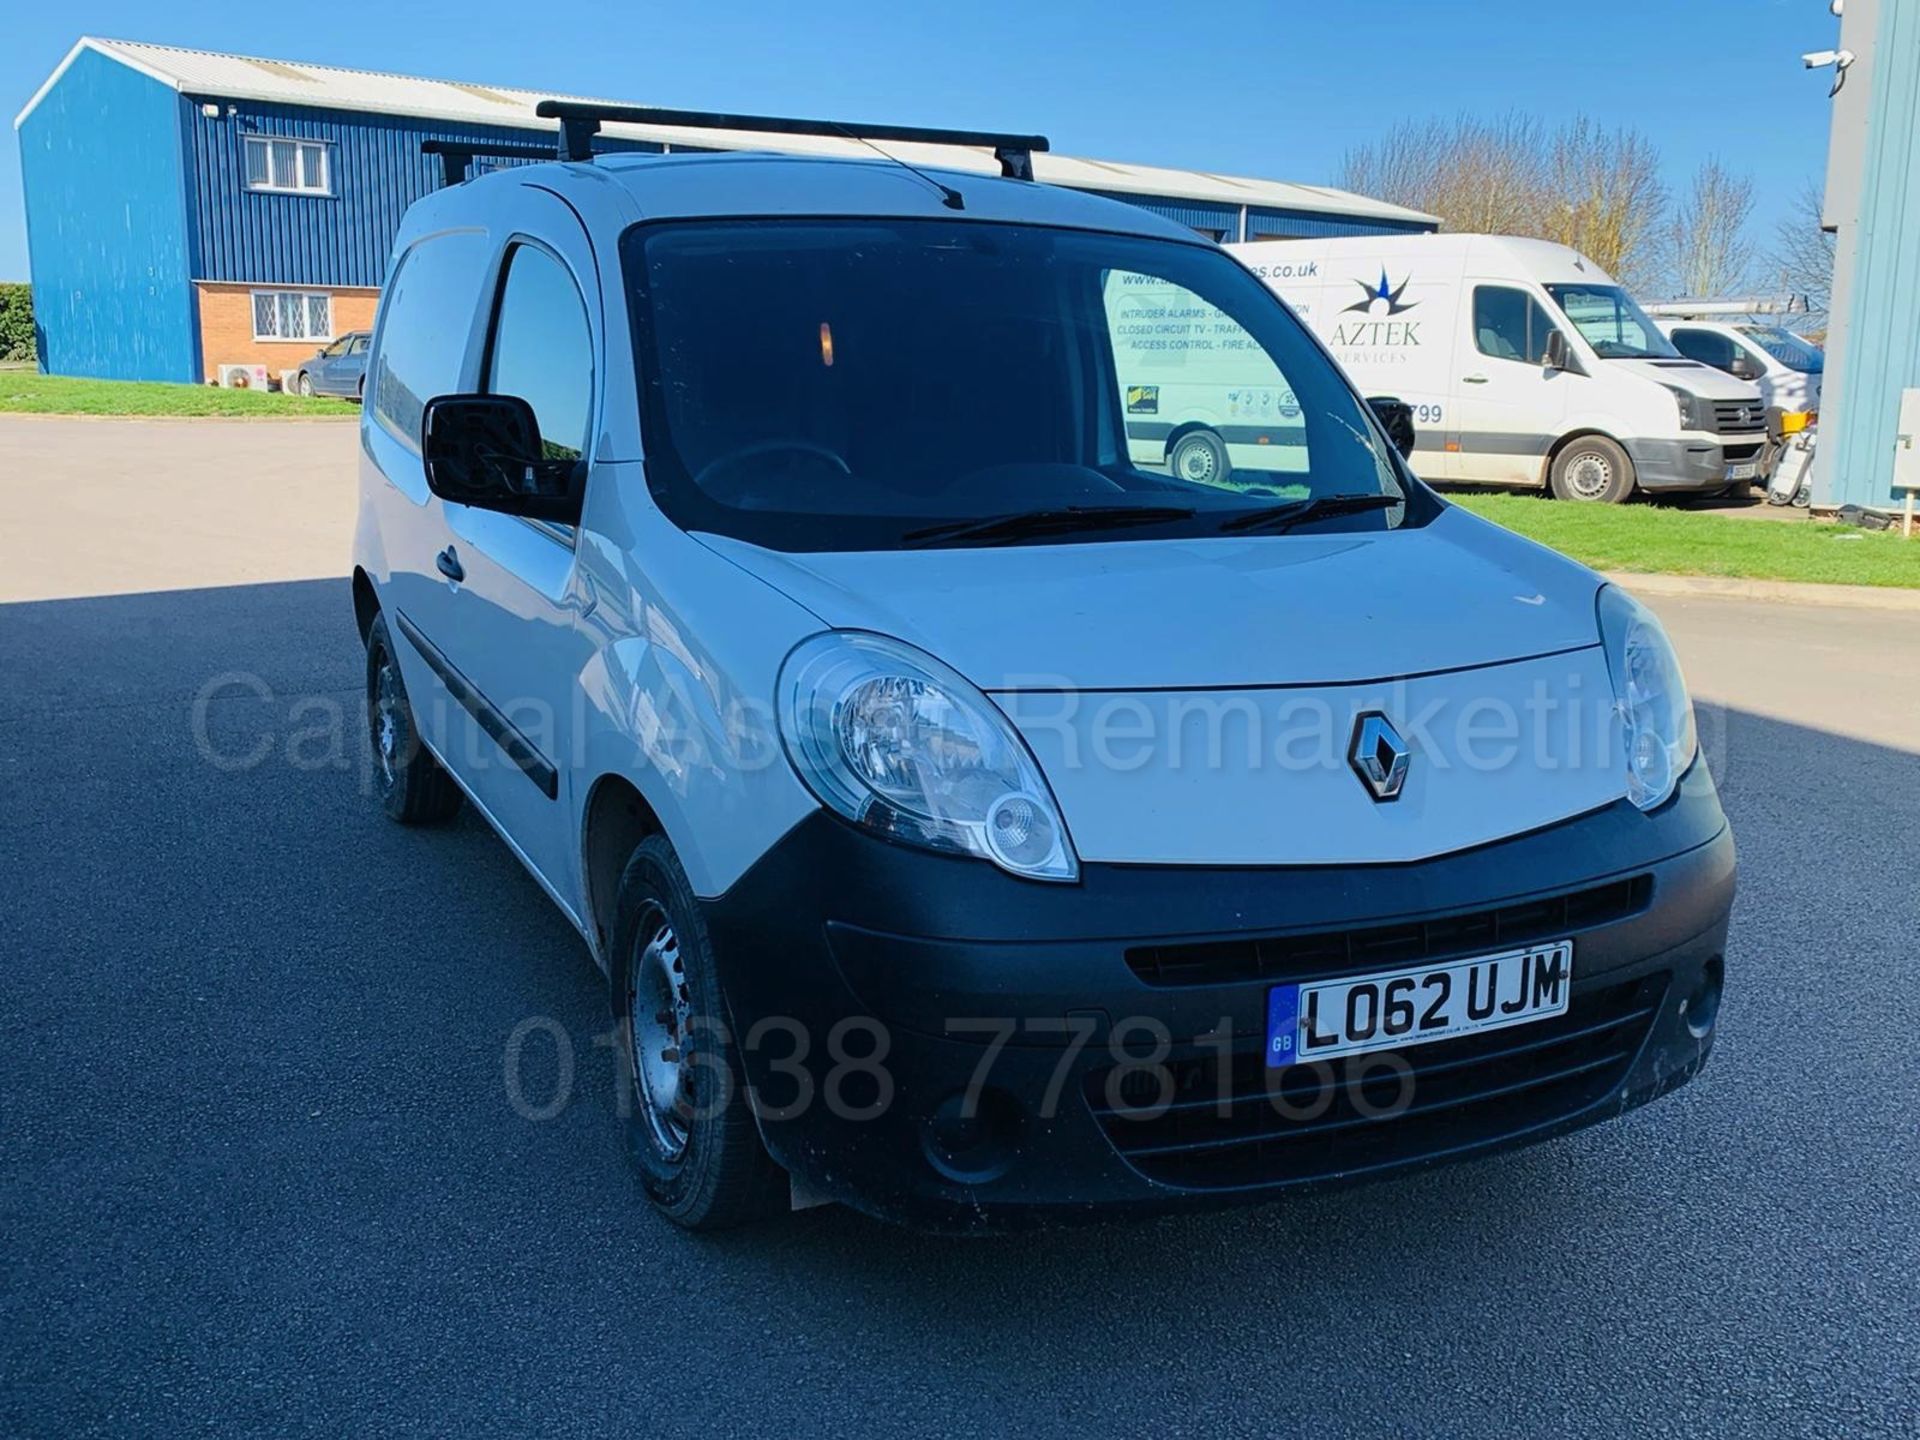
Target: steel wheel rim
[[659, 1019], [386, 718], [1589, 475], [1194, 462]]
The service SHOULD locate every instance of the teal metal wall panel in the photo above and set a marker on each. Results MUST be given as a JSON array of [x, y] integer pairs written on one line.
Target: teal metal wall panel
[[1882, 352], [102, 172]]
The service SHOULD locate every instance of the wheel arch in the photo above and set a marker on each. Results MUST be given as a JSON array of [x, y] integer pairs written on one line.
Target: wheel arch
[[615, 819], [366, 604], [1582, 432], [1186, 428]]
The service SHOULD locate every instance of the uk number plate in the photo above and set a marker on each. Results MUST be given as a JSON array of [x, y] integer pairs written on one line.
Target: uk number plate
[[1745, 470], [1326, 1019]]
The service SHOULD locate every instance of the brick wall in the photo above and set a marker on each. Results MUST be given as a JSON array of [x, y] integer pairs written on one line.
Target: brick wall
[[226, 328]]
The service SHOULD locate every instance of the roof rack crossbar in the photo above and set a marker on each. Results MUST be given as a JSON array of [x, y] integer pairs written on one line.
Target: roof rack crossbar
[[457, 155], [580, 120]]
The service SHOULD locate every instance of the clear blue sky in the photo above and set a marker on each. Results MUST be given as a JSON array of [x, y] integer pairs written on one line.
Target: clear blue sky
[[1274, 88]]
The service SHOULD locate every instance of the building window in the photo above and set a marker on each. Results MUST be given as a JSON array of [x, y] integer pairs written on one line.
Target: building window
[[292, 315], [296, 166]]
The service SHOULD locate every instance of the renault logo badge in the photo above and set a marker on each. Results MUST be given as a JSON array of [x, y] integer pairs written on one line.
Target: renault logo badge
[[1379, 756]]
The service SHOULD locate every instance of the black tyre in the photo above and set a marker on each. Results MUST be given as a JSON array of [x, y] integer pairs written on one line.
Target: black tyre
[[1592, 469], [305, 384], [413, 788], [1200, 458], [690, 1126]]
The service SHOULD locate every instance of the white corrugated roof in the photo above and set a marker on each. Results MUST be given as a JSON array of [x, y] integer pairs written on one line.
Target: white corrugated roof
[[289, 82]]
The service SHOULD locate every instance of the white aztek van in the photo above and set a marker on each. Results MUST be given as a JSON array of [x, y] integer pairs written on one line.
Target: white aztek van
[[1785, 367], [1524, 362], [976, 820]]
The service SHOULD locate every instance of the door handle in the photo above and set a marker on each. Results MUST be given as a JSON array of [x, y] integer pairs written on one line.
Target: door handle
[[448, 564], [1473, 379]]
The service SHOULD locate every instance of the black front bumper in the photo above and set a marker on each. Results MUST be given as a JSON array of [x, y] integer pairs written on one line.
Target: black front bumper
[[1111, 1033]]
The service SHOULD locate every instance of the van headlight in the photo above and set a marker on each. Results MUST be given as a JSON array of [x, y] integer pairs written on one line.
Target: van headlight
[[899, 743], [1650, 697], [1693, 410]]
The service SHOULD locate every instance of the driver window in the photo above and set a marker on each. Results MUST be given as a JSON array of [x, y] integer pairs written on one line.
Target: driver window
[[1509, 324], [542, 351], [1201, 398]]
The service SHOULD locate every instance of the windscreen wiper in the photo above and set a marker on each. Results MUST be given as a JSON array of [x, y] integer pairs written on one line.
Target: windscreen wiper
[[1063, 520], [1316, 507]]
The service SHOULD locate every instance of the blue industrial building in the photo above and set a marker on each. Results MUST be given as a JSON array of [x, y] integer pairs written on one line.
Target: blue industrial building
[[188, 210]]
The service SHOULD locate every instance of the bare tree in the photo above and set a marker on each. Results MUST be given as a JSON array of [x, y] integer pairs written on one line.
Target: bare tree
[[1605, 198], [1477, 175], [1708, 251], [1596, 190], [1802, 257]]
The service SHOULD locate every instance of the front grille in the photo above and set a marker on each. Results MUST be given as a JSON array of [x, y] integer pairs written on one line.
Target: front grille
[[1253, 1126], [1334, 952], [1739, 417]]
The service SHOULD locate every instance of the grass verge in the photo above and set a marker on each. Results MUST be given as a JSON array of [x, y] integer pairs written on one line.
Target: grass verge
[[23, 392], [1672, 540]]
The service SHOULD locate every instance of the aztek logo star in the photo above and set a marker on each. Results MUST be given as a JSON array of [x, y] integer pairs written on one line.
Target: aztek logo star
[[1381, 294]]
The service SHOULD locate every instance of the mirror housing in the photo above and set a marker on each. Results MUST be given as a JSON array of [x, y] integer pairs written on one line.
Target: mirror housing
[[1559, 355], [1396, 418], [485, 451], [1744, 368]]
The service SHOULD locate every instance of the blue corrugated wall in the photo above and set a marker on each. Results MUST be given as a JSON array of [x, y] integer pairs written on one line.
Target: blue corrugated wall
[[258, 237], [1262, 222], [1881, 356], [101, 167], [133, 192], [1299, 225]]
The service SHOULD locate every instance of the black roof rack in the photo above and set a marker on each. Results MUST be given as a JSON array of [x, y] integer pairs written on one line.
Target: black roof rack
[[581, 119], [457, 155]]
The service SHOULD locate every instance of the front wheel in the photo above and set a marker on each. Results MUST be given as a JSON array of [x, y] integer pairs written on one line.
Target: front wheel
[[690, 1124], [306, 384], [1200, 458], [1592, 469]]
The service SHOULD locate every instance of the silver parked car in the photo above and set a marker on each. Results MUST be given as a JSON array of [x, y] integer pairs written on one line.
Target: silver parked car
[[338, 369]]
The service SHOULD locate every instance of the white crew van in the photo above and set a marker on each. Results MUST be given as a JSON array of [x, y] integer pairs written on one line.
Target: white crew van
[[1746, 339], [1524, 363]]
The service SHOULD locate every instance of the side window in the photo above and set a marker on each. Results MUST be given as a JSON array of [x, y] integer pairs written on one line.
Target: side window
[[1509, 324], [1199, 394], [357, 346], [426, 318], [542, 350], [1705, 346]]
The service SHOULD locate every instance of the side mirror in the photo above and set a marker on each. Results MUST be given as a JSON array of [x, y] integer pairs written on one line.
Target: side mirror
[[1558, 356], [485, 451], [1744, 368], [1396, 418]]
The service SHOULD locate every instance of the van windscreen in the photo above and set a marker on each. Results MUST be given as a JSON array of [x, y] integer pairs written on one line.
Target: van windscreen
[[868, 383], [1611, 321]]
